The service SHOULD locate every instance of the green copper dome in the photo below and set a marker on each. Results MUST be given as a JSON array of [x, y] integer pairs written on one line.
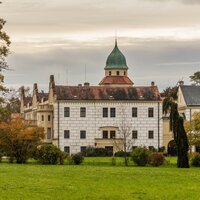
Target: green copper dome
[[116, 60]]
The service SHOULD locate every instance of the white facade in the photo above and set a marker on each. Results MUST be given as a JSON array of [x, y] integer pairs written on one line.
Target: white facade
[[94, 123]]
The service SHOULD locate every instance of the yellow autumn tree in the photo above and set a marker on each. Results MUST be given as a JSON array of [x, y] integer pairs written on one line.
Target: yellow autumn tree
[[18, 139], [193, 130]]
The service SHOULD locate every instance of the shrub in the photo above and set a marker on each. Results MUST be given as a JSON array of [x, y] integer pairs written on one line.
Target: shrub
[[49, 154], [195, 161], [122, 154], [62, 157], [94, 152], [161, 149], [140, 156], [77, 158], [153, 149], [157, 159]]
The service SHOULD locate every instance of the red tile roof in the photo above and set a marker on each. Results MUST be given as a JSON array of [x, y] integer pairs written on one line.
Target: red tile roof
[[150, 93], [118, 80]]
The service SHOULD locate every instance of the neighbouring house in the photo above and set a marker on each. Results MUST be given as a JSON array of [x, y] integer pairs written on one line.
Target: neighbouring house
[[188, 100], [188, 103], [75, 117]]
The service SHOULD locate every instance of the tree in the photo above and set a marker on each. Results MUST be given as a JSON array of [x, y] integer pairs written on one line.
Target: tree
[[195, 78], [124, 137], [4, 46], [193, 130], [4, 51], [18, 139], [169, 94], [180, 136]]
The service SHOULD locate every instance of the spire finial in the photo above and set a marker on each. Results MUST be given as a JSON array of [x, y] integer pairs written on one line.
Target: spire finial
[[116, 38]]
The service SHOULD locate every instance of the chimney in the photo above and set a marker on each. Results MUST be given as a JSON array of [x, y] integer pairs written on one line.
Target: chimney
[[51, 82], [152, 83], [86, 84], [181, 83], [51, 78], [35, 86]]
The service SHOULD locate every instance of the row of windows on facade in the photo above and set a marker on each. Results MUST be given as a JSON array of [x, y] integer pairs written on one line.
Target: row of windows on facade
[[108, 134], [110, 148], [48, 118], [117, 73], [105, 112]]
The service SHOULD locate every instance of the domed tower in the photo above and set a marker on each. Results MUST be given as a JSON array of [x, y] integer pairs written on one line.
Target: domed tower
[[116, 69]]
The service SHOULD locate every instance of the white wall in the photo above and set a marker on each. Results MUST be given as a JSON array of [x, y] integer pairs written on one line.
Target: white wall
[[94, 120]]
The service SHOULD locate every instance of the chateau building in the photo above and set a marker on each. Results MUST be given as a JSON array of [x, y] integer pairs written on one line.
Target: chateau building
[[75, 117]]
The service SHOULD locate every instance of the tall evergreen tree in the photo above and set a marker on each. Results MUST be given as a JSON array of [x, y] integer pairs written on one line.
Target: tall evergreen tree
[[182, 144], [180, 136]]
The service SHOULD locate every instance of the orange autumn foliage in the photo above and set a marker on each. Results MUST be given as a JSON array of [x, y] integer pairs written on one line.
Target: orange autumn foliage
[[18, 139]]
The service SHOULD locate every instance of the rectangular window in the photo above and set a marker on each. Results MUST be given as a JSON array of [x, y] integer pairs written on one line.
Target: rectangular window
[[83, 149], [67, 149], [82, 112], [66, 134], [82, 134], [112, 112], [134, 112], [42, 118], [112, 134], [48, 133], [151, 134], [134, 134], [105, 112], [105, 134], [150, 112], [49, 118], [66, 112]]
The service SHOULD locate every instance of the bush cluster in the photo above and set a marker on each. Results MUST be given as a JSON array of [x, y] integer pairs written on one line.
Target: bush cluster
[[77, 158], [49, 154], [156, 159], [195, 160], [97, 152], [143, 156], [140, 156]]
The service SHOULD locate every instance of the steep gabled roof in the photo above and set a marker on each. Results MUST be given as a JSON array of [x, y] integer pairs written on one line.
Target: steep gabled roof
[[191, 94], [42, 95], [107, 93], [27, 100]]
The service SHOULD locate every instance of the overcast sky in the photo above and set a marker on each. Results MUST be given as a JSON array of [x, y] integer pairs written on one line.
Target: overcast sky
[[159, 38]]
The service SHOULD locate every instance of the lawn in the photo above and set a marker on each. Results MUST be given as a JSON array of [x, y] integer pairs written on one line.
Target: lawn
[[97, 179]]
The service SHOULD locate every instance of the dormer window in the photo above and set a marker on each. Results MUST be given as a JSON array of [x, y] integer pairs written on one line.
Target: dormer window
[[110, 73], [117, 73]]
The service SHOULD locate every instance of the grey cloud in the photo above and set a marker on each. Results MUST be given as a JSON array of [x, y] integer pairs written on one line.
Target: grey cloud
[[162, 62]]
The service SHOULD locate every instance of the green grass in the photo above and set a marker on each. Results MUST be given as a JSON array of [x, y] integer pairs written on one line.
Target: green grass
[[97, 179]]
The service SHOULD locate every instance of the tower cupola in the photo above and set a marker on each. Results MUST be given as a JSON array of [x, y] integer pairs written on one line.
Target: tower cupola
[[116, 69]]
